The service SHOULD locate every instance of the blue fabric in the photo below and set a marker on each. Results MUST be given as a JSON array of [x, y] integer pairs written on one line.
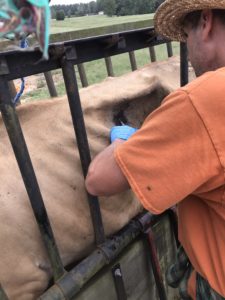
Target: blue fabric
[[121, 132], [23, 44], [20, 93]]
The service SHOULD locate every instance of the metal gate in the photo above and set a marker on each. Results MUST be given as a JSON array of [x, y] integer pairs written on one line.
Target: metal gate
[[18, 64]]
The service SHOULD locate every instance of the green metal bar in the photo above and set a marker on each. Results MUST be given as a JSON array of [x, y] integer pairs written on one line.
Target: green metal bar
[[83, 76], [133, 61], [152, 53], [109, 66], [169, 49]]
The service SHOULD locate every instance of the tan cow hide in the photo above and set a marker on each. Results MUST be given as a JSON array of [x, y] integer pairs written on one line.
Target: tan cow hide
[[24, 268]]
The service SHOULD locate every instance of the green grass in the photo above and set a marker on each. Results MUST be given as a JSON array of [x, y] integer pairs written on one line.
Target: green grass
[[79, 23], [96, 70]]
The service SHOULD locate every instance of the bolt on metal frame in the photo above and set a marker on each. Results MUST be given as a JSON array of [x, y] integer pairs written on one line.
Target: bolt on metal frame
[[17, 64]]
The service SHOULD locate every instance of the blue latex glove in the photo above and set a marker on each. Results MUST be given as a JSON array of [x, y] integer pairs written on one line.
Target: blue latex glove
[[123, 132]]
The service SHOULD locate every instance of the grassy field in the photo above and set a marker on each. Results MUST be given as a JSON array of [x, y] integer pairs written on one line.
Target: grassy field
[[96, 70], [79, 23]]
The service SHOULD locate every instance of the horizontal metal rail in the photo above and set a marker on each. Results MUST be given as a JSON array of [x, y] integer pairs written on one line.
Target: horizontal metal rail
[[17, 64], [69, 286]]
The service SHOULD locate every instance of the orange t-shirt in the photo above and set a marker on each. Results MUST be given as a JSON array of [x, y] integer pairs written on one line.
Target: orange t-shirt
[[178, 157]]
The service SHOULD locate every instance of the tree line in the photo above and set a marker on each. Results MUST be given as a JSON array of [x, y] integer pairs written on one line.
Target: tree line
[[109, 7]]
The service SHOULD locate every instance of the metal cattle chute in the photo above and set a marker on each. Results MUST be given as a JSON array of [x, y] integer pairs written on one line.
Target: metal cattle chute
[[65, 55]]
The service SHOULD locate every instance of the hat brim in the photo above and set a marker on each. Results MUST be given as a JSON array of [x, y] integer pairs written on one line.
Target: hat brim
[[170, 15]]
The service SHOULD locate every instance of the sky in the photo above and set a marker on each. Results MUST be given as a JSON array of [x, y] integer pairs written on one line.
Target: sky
[[55, 2]]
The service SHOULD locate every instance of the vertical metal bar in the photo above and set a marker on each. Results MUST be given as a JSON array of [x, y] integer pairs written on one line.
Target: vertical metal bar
[[174, 224], [183, 64], [3, 295], [83, 76], [152, 53], [50, 84], [13, 92], [169, 49], [12, 89], [155, 265], [109, 66], [82, 142], [23, 159], [133, 62], [119, 284]]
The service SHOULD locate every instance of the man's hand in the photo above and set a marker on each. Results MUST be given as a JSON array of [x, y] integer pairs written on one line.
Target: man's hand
[[123, 132]]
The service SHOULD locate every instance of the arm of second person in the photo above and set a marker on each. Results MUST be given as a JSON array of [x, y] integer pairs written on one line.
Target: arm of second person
[[105, 177]]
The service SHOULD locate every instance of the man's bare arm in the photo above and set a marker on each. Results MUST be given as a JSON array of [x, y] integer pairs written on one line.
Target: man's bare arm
[[105, 177]]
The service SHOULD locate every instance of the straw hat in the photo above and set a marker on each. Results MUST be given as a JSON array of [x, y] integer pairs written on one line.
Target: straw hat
[[169, 16]]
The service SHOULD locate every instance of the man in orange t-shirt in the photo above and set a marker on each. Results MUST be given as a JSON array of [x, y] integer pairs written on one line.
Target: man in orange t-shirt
[[178, 155]]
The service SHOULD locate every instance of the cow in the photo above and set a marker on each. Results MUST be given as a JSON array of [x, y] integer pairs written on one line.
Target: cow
[[25, 270]]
